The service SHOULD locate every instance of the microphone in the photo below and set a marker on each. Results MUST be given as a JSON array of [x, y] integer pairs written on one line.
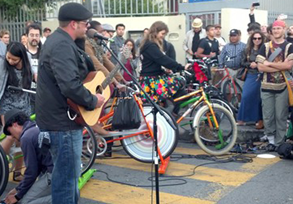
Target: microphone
[[92, 33]]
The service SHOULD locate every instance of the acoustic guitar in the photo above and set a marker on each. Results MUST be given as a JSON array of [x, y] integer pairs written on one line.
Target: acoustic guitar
[[96, 82]]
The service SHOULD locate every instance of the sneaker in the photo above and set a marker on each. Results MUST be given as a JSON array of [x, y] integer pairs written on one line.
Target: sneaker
[[264, 138]]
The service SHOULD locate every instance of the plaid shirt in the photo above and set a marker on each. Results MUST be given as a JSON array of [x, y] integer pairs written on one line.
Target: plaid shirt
[[231, 50]]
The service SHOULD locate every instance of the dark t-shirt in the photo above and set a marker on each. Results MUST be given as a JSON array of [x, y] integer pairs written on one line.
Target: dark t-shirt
[[289, 39], [195, 41], [209, 46]]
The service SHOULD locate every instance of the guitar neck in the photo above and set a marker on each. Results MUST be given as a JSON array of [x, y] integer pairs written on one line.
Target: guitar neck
[[125, 55], [109, 78]]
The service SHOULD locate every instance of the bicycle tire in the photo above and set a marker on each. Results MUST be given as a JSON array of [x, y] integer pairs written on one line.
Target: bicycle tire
[[205, 136], [89, 149], [219, 101], [229, 95], [141, 147], [4, 171]]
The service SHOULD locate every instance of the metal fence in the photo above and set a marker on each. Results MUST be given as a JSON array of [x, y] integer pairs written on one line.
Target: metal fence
[[15, 22], [208, 18], [273, 15], [100, 8], [112, 8]]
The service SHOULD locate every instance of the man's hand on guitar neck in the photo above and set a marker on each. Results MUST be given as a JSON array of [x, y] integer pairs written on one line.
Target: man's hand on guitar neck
[[101, 100]]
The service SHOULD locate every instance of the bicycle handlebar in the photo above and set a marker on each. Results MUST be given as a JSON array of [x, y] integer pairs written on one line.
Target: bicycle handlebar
[[134, 88], [21, 89]]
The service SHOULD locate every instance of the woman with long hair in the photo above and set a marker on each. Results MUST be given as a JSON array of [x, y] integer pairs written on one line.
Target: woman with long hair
[[15, 71], [129, 60], [250, 108], [153, 78], [19, 74]]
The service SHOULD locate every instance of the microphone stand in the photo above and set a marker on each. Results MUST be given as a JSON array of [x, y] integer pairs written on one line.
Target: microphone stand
[[156, 109]]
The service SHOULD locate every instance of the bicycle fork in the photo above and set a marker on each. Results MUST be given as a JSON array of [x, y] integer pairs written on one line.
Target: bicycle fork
[[212, 121]]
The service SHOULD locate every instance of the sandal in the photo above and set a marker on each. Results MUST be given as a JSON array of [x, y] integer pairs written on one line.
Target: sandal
[[17, 176], [259, 125], [241, 123]]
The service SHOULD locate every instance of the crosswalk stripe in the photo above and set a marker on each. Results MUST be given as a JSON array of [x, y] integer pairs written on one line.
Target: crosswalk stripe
[[220, 176], [192, 151], [256, 166], [259, 164], [117, 193]]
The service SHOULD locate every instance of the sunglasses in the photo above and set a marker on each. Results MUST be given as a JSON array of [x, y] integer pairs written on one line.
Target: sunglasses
[[257, 38], [86, 23]]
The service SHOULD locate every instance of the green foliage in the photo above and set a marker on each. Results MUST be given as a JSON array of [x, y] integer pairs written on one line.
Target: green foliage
[[13, 8]]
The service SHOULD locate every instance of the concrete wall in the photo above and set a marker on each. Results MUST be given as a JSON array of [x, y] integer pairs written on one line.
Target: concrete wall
[[238, 19], [176, 26]]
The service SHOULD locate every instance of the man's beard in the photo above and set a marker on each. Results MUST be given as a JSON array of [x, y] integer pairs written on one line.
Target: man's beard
[[34, 43]]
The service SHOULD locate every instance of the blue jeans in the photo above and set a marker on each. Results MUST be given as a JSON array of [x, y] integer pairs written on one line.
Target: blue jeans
[[66, 147]]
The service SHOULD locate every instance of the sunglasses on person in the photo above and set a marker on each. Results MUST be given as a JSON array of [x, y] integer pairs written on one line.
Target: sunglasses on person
[[257, 38], [86, 23]]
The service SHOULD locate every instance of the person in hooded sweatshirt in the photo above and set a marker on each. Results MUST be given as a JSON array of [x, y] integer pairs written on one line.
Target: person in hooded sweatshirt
[[155, 64], [36, 185]]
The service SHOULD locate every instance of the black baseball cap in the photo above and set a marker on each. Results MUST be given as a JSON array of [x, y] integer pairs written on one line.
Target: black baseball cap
[[8, 117], [234, 32]]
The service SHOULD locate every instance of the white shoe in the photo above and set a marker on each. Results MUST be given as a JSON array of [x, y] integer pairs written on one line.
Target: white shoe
[[264, 138]]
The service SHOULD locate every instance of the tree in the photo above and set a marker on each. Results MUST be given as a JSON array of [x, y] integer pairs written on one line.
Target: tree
[[14, 9]]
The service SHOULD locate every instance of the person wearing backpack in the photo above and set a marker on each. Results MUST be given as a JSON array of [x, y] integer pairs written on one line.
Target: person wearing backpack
[[209, 46], [275, 56]]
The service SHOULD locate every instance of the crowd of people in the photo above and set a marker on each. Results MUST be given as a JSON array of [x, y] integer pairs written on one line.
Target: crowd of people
[[265, 96], [55, 64]]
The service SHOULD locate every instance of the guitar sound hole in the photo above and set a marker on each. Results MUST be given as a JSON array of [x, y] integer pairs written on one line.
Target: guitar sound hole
[[99, 90]]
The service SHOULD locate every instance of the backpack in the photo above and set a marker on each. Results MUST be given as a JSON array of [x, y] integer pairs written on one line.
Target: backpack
[[285, 150]]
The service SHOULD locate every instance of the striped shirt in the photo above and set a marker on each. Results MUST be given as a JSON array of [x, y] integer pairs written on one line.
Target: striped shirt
[[231, 50]]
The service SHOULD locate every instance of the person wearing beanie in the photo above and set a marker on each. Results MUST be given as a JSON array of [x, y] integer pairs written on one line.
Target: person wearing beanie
[[273, 58], [62, 69]]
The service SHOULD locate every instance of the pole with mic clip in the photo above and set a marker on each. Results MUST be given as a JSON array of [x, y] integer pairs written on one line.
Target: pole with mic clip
[[94, 34]]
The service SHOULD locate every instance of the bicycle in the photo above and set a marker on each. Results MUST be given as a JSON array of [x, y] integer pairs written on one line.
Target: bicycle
[[139, 143], [215, 129], [231, 89], [213, 93], [4, 170]]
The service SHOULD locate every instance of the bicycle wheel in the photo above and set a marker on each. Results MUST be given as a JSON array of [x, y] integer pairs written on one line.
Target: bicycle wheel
[[89, 149], [230, 94], [221, 102], [141, 147], [4, 171], [215, 141]]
